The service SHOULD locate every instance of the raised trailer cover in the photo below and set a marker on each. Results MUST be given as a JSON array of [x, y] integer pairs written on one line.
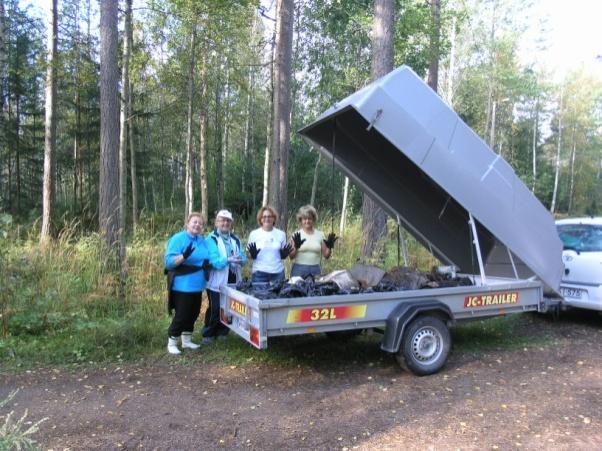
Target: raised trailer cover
[[412, 154]]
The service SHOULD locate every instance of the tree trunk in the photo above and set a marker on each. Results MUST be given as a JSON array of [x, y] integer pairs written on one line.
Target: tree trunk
[[189, 156], [123, 129], [433, 77], [490, 89], [282, 109], [492, 127], [557, 163], [273, 178], [248, 130], [219, 162], [266, 167], [77, 105], [572, 179], [77, 150], [534, 147], [133, 159], [130, 40], [314, 184], [225, 149], [3, 72], [50, 132], [452, 64], [109, 131], [18, 154], [203, 145], [374, 220]]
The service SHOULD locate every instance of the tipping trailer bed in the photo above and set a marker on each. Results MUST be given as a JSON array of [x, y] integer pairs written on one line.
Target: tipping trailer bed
[[424, 351], [412, 154]]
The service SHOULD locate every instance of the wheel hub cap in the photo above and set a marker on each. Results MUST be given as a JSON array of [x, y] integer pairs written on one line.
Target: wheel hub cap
[[426, 345]]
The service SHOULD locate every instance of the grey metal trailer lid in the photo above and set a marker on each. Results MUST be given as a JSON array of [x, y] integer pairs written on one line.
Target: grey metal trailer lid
[[409, 151]]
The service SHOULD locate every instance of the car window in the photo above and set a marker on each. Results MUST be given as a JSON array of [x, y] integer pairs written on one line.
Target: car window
[[581, 237]]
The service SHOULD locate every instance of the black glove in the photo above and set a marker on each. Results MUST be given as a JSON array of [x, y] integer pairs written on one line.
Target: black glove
[[329, 242], [297, 240], [253, 251], [189, 250], [285, 251], [207, 265]]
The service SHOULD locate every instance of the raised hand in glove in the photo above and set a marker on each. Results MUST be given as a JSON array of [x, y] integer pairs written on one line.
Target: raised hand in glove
[[329, 242], [253, 251], [189, 250], [285, 251], [297, 240]]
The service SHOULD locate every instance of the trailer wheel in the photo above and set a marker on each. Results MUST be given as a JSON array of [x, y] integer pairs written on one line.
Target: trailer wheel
[[425, 346]]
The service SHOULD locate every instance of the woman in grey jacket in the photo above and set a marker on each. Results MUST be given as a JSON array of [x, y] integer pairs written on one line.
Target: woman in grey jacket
[[230, 247]]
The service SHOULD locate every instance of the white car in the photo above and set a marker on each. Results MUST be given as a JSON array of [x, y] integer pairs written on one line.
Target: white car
[[581, 284]]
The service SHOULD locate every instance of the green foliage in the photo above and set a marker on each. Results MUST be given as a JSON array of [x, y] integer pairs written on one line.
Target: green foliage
[[503, 332], [16, 435], [61, 309]]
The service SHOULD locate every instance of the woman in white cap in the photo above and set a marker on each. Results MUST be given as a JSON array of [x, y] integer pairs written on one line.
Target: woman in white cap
[[230, 247]]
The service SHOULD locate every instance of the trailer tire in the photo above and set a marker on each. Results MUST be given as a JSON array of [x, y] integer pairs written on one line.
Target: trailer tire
[[425, 346]]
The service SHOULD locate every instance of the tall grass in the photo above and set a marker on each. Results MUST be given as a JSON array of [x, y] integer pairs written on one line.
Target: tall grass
[[59, 304]]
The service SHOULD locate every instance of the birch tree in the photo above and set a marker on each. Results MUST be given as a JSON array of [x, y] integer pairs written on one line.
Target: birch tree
[[203, 143], [123, 127], [557, 159], [50, 132], [189, 142]]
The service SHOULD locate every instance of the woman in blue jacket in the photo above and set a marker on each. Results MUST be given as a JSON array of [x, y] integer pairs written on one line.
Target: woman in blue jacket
[[187, 254]]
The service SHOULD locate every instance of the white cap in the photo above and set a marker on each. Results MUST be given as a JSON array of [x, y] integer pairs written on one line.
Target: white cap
[[224, 214]]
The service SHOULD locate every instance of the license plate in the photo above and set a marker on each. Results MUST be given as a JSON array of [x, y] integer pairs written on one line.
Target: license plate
[[571, 292]]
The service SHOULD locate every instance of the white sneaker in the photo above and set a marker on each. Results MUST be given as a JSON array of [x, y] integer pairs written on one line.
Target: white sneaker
[[187, 341], [172, 346]]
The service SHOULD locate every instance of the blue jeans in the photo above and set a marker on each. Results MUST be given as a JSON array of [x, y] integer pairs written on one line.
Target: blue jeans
[[267, 277], [305, 270]]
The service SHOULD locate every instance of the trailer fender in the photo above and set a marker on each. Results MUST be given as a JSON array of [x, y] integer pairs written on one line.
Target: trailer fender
[[405, 312]]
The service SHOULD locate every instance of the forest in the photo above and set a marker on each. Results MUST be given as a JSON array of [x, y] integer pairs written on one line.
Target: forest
[[196, 89], [120, 117], [117, 119]]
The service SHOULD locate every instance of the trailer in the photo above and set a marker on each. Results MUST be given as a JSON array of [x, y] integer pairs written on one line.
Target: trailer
[[426, 168]]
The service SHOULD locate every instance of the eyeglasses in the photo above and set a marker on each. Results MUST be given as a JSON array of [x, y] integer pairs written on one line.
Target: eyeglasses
[[267, 217]]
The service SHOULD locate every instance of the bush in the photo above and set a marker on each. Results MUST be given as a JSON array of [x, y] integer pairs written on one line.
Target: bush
[[59, 304]]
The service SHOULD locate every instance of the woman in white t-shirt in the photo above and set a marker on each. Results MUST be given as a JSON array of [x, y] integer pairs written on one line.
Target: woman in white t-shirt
[[309, 244], [267, 247]]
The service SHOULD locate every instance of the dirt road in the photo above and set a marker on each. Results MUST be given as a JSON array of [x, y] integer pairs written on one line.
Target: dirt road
[[546, 396]]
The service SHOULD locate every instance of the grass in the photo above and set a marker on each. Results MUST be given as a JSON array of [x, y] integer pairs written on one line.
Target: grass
[[503, 332], [16, 434], [58, 307]]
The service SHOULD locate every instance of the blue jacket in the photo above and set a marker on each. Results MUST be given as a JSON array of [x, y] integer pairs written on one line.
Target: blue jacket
[[204, 250]]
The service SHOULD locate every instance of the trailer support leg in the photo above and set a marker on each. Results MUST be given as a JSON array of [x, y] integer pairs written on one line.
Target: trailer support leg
[[477, 246]]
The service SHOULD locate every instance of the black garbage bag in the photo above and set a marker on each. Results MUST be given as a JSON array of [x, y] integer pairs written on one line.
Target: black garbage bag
[[326, 289], [293, 290], [386, 286]]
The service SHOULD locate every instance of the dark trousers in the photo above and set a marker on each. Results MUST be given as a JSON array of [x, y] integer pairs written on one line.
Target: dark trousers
[[213, 326], [187, 307], [267, 277]]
